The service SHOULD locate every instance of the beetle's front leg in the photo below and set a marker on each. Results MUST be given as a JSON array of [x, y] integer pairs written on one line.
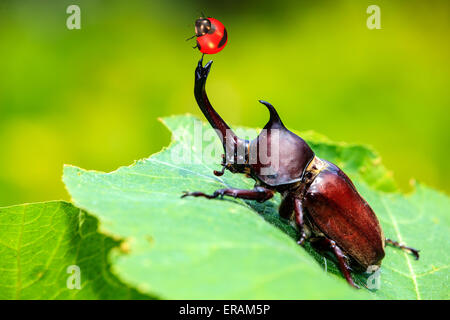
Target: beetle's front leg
[[259, 194], [396, 244], [224, 166], [325, 244]]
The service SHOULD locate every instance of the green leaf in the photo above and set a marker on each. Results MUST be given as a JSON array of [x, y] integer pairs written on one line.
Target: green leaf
[[199, 248], [194, 248], [41, 241]]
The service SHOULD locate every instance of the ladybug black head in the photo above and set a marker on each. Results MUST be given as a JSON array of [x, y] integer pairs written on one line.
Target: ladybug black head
[[202, 26]]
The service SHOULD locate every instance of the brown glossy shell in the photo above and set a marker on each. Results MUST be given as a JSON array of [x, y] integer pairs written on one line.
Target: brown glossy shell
[[337, 209]]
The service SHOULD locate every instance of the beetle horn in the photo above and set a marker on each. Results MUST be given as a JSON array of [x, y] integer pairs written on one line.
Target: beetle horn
[[274, 121], [229, 139]]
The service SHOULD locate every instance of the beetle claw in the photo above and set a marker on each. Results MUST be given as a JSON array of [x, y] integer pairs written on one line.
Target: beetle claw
[[302, 239], [219, 173], [185, 194], [399, 245], [415, 253]]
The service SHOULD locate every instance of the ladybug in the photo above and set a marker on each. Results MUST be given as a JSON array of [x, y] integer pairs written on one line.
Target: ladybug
[[211, 35]]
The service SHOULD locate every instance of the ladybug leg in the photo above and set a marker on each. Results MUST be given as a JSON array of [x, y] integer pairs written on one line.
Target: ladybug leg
[[325, 244], [298, 209], [396, 244], [259, 194]]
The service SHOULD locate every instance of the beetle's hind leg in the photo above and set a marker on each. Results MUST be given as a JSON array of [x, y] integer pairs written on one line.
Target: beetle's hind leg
[[396, 244], [259, 194], [325, 244]]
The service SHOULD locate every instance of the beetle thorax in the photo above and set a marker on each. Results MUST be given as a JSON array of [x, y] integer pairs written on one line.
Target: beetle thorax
[[313, 169]]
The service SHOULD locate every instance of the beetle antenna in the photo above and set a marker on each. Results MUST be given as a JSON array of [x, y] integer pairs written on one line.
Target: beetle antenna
[[191, 37]]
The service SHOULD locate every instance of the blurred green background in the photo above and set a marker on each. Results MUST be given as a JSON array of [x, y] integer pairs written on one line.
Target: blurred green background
[[91, 97]]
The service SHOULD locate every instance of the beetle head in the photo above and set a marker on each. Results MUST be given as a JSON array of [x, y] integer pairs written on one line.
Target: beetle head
[[276, 157]]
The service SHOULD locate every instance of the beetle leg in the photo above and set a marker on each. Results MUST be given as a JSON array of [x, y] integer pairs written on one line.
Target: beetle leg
[[219, 173], [286, 207], [325, 244], [396, 244], [259, 193], [298, 209], [224, 166]]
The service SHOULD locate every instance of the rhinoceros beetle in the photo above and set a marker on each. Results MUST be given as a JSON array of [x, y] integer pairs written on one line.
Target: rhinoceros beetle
[[318, 196]]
